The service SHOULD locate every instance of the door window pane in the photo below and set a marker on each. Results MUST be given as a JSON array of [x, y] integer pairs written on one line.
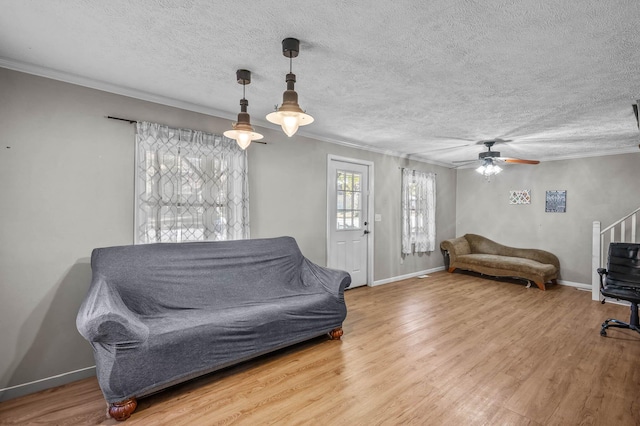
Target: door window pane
[[348, 200]]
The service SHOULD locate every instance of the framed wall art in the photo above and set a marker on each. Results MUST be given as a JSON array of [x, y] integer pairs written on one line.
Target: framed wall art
[[520, 196], [556, 202]]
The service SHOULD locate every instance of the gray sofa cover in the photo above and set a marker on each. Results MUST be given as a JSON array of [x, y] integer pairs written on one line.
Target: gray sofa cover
[[160, 314]]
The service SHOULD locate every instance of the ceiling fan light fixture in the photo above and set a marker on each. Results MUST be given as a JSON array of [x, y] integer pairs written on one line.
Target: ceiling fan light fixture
[[289, 115], [489, 168], [242, 131]]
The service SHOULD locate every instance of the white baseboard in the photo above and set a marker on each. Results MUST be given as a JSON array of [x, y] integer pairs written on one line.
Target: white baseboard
[[46, 383], [617, 302], [406, 276], [587, 287], [581, 286]]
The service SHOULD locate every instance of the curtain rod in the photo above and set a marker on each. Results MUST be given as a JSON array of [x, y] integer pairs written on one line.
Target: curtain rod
[[122, 119], [135, 121]]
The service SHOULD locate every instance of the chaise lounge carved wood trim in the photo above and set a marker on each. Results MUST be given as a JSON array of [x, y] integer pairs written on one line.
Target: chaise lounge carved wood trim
[[476, 253]]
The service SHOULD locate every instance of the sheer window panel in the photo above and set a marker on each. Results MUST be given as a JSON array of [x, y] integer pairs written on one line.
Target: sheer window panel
[[418, 211], [190, 186]]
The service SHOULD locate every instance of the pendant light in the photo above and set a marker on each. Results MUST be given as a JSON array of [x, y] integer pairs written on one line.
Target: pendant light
[[290, 116], [242, 131]]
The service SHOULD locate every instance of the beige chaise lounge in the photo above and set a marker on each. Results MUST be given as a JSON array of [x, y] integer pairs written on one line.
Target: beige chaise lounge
[[479, 254]]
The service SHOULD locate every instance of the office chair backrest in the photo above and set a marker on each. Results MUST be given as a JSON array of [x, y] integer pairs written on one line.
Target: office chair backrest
[[624, 265]]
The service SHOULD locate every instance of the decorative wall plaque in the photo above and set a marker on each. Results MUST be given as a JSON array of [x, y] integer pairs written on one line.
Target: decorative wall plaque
[[556, 202], [520, 196]]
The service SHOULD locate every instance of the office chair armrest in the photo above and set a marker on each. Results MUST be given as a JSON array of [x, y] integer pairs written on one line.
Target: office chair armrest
[[602, 272]]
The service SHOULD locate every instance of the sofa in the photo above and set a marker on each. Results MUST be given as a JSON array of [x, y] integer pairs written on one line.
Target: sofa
[[476, 253], [160, 314]]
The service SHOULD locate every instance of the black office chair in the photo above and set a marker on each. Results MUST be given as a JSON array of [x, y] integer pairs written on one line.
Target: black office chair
[[621, 280]]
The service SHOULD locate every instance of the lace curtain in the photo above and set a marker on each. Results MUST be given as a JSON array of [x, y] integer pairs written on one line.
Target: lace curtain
[[418, 211], [190, 186]]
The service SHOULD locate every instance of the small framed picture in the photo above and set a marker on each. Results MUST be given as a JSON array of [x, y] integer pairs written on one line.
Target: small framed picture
[[556, 202], [520, 196]]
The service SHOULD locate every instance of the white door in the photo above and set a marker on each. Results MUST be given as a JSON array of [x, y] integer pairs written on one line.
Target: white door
[[348, 222]]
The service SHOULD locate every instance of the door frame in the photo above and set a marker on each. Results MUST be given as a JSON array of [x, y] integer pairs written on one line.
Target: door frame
[[370, 204]]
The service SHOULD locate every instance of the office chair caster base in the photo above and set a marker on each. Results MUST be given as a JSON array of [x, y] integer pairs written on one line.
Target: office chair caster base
[[617, 324]]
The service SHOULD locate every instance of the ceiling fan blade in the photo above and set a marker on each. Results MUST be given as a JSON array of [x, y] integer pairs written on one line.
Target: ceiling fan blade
[[518, 160], [454, 138], [465, 161]]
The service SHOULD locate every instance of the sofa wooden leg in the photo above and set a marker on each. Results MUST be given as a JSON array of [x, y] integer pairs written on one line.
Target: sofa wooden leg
[[451, 270], [122, 410], [540, 285], [336, 333]]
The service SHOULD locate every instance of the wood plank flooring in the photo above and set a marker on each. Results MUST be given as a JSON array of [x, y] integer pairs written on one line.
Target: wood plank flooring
[[451, 349]]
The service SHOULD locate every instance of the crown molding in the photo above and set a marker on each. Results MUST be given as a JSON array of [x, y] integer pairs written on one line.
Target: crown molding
[[628, 150], [392, 153], [593, 154], [111, 88], [188, 106]]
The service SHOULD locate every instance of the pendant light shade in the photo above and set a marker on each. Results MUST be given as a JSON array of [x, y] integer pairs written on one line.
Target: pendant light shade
[[289, 115], [241, 130]]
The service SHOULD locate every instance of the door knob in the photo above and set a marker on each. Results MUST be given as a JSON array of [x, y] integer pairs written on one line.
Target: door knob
[[366, 231]]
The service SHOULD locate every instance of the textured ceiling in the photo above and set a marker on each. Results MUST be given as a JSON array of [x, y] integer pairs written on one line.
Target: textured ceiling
[[428, 79]]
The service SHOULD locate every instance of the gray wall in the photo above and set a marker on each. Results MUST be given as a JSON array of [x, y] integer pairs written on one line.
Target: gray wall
[[66, 185], [603, 189]]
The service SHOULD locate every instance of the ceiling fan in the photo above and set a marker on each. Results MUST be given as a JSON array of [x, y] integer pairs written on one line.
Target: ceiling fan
[[495, 156], [490, 159]]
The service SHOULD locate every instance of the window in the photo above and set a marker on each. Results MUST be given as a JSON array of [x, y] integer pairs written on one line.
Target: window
[[190, 186], [349, 200], [418, 211]]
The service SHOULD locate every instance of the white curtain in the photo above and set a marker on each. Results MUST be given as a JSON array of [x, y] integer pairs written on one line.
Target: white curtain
[[418, 211], [189, 186]]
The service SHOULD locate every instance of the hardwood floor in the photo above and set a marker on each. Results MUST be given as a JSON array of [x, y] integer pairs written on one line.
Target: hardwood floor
[[451, 349]]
